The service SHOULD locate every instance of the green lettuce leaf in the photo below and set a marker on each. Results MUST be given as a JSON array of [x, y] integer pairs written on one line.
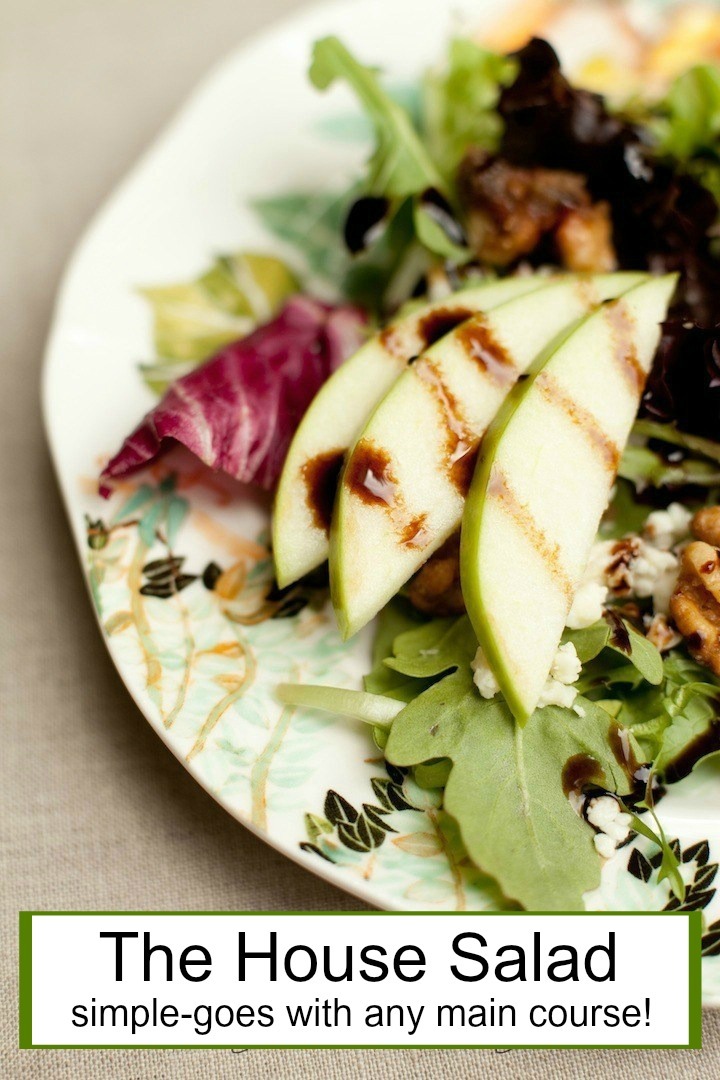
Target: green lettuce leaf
[[646, 468], [669, 433], [460, 102], [400, 165], [666, 719], [195, 319], [433, 649], [396, 618], [400, 168], [643, 657], [689, 121], [505, 786], [312, 222], [625, 514]]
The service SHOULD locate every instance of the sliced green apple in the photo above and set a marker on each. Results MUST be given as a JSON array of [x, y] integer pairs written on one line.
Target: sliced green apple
[[306, 491], [546, 469], [403, 489]]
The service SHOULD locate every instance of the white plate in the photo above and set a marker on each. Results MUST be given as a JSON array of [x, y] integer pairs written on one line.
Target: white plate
[[202, 674]]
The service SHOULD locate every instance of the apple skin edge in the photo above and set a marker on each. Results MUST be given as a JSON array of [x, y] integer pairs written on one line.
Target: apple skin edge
[[472, 526]]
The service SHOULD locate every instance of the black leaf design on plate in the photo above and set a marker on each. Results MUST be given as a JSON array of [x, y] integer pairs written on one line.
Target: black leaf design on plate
[[363, 830], [338, 810], [305, 846], [210, 575], [711, 940], [349, 835], [396, 775], [290, 608], [639, 866], [164, 577], [390, 795], [374, 815], [700, 852]]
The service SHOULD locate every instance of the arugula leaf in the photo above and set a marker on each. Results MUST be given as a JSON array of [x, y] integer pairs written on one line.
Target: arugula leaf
[[692, 710], [396, 618], [665, 719], [193, 320], [381, 278], [437, 647], [669, 867], [505, 786], [400, 165], [670, 433], [400, 168], [643, 655], [646, 468], [460, 102]]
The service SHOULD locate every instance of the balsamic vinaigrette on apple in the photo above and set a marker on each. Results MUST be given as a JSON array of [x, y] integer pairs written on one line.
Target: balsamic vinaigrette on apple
[[487, 352], [321, 474], [437, 324], [369, 475]]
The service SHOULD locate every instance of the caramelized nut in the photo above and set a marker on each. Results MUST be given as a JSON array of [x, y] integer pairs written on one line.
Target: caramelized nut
[[662, 634], [695, 603], [706, 525], [584, 240], [435, 589]]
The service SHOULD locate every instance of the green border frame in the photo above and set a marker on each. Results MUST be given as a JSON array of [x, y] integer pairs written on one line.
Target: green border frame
[[694, 978]]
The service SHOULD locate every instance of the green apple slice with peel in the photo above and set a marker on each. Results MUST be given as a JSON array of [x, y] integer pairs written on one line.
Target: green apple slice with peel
[[546, 469], [403, 489], [305, 494]]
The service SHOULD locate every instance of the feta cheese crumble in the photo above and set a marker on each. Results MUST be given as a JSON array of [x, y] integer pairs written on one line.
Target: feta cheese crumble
[[483, 677], [558, 690], [667, 528], [622, 568], [606, 815], [565, 671], [587, 606]]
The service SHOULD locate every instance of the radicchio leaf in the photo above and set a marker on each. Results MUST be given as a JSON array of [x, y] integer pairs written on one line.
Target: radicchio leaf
[[239, 410]]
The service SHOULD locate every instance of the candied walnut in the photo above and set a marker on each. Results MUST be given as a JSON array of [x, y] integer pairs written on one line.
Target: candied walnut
[[662, 634], [695, 603], [584, 240], [511, 208], [705, 525], [435, 589]]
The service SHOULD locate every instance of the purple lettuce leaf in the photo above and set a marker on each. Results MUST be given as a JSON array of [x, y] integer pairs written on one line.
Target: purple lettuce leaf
[[238, 411]]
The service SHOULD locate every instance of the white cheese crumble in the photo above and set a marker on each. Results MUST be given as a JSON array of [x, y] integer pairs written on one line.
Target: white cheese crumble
[[667, 528], [566, 666], [558, 690], [557, 693], [565, 670], [654, 573], [587, 606], [612, 823], [483, 677], [629, 567]]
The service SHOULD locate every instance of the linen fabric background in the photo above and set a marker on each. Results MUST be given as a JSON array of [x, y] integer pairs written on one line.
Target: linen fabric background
[[96, 813]]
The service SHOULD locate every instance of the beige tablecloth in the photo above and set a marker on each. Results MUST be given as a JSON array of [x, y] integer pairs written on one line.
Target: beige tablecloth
[[95, 812]]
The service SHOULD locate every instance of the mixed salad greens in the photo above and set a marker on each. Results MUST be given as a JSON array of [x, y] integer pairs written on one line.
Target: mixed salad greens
[[503, 431]]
